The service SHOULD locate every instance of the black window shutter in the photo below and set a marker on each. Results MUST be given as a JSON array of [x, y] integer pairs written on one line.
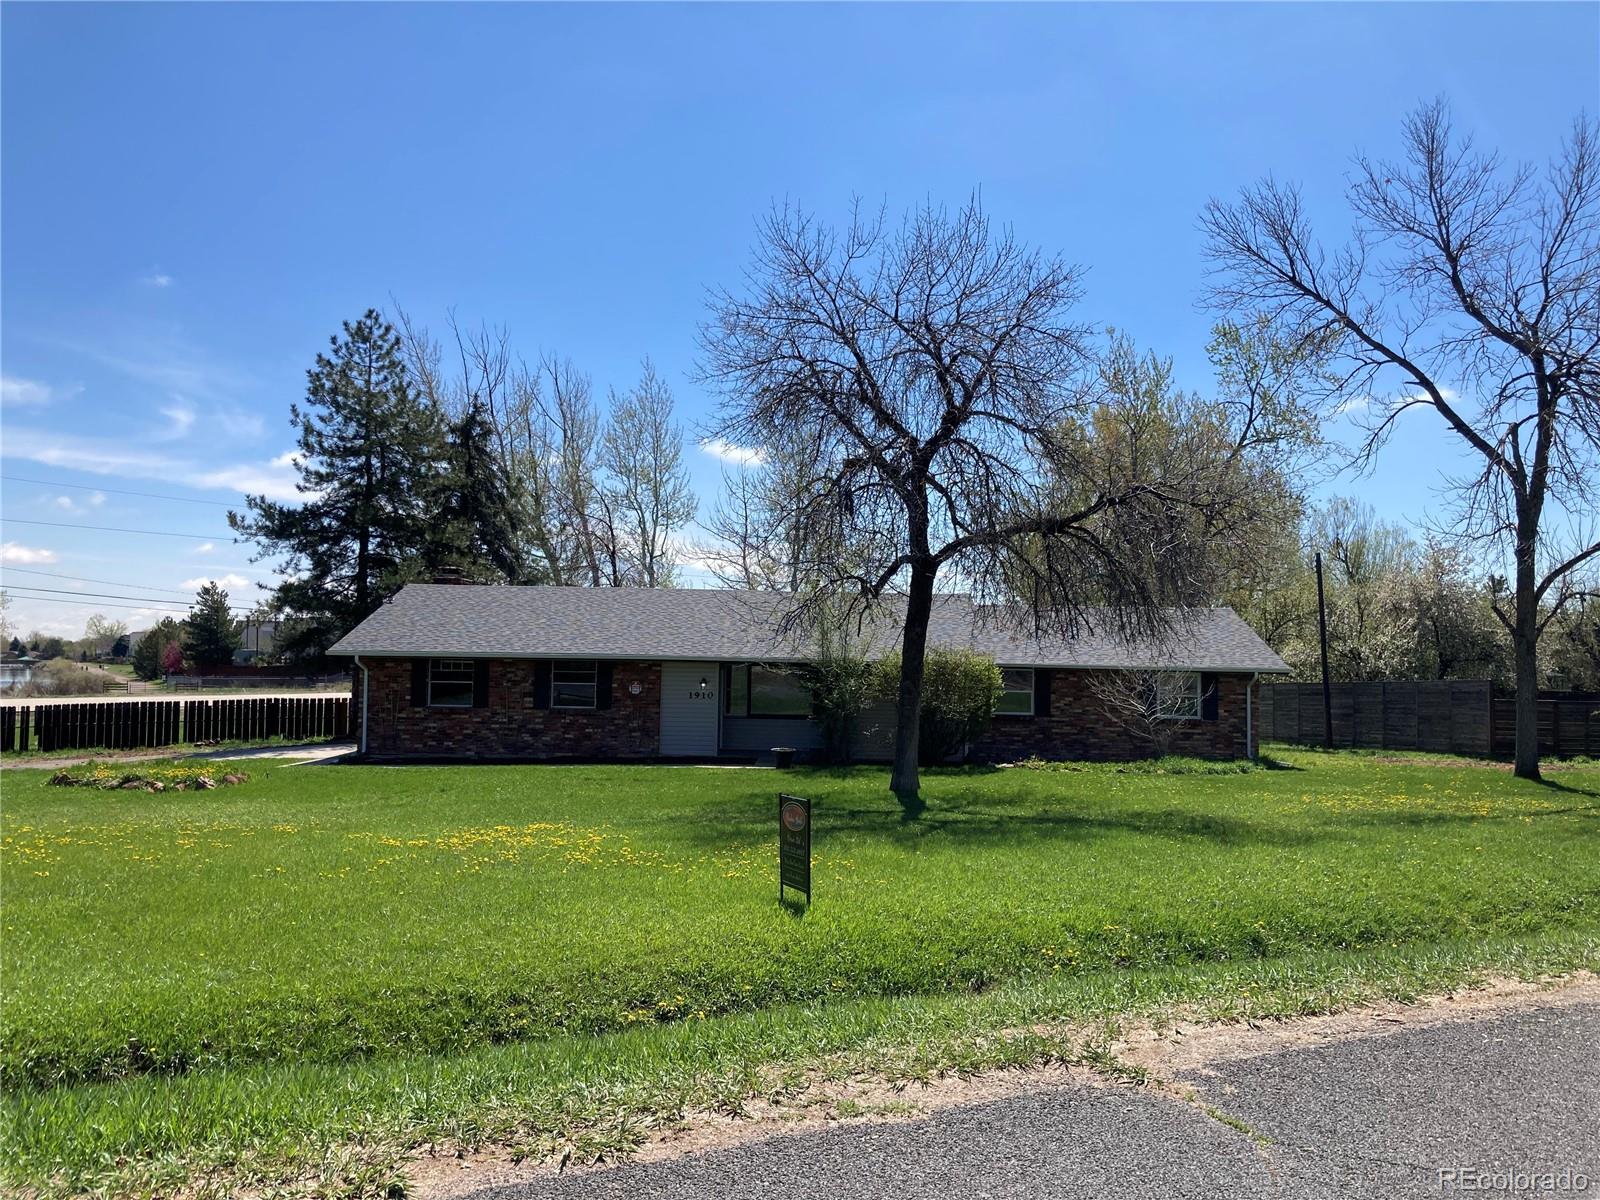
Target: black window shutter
[[602, 685], [1208, 696], [1041, 691], [541, 683], [419, 682], [480, 683]]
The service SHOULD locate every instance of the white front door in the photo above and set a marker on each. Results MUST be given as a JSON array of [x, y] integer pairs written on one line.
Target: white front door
[[690, 704]]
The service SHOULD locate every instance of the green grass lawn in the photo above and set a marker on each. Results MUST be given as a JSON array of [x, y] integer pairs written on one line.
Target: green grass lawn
[[260, 972]]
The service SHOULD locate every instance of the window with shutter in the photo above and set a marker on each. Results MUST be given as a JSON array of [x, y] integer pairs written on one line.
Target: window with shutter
[[451, 682]]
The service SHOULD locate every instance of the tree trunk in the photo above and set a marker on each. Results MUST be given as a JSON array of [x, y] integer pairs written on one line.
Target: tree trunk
[[903, 782], [1525, 652]]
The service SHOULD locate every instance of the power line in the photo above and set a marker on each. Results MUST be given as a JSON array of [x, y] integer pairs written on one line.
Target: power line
[[199, 537], [156, 607], [89, 487], [140, 587], [34, 587], [154, 604]]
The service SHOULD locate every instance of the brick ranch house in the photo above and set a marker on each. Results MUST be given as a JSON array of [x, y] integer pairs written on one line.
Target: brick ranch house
[[455, 671]]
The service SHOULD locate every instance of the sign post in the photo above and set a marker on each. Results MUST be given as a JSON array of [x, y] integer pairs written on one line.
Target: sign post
[[794, 845]]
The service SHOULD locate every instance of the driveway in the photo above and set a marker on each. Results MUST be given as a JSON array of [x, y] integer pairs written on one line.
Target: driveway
[[1498, 1102]]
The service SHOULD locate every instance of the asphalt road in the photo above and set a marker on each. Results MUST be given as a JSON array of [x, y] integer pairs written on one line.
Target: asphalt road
[[1368, 1117]]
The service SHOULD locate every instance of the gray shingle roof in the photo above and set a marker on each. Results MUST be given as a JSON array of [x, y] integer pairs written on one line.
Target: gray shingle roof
[[465, 621]]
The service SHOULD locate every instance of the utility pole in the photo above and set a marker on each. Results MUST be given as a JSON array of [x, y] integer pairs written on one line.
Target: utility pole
[[1327, 686]]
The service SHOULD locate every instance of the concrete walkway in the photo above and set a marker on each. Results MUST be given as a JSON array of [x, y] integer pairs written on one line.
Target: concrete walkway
[[314, 752]]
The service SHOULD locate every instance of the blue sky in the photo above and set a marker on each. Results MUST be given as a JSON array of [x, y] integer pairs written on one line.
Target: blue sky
[[194, 196]]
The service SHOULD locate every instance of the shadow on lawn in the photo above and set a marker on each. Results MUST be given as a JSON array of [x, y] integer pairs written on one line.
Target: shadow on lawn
[[978, 822], [953, 817]]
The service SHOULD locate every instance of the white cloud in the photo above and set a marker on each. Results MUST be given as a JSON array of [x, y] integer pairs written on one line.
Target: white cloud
[[182, 417], [230, 581], [695, 559], [285, 460], [271, 481], [87, 454], [238, 423], [19, 393], [78, 504], [22, 556], [173, 367], [157, 279], [205, 548], [1352, 405], [744, 456], [274, 479]]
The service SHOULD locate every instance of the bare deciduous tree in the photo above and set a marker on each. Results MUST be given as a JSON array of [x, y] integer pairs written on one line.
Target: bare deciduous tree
[[597, 498], [759, 539], [1473, 291], [937, 385], [102, 632], [648, 486], [1142, 704]]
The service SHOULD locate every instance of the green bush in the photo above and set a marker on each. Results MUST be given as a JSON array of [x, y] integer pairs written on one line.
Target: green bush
[[842, 684], [959, 692]]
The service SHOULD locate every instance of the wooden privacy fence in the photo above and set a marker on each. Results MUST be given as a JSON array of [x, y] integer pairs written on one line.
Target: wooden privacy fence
[[1568, 724], [132, 724], [1451, 716]]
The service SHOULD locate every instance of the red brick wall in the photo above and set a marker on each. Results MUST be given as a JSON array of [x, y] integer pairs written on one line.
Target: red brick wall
[[1078, 728], [510, 726]]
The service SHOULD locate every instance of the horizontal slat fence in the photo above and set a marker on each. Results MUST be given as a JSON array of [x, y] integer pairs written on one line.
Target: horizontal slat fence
[[1567, 725], [1449, 716], [136, 724]]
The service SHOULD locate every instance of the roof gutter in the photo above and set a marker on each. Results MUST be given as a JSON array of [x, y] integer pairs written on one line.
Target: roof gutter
[[1249, 717], [784, 658], [361, 747]]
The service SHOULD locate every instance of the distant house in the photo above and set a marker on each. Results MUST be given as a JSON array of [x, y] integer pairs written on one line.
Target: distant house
[[475, 672], [258, 638]]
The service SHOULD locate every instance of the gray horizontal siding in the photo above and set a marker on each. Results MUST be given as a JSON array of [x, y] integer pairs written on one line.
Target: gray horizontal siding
[[757, 735], [875, 732]]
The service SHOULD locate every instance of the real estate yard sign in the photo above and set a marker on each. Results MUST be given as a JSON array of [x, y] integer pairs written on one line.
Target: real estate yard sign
[[794, 845]]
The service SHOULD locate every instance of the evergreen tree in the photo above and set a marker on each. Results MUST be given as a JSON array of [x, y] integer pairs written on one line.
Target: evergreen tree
[[149, 656], [211, 635], [16, 646], [368, 459], [475, 526]]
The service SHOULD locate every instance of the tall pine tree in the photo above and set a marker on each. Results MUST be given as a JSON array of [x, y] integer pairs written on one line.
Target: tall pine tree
[[475, 527], [210, 635], [369, 460]]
